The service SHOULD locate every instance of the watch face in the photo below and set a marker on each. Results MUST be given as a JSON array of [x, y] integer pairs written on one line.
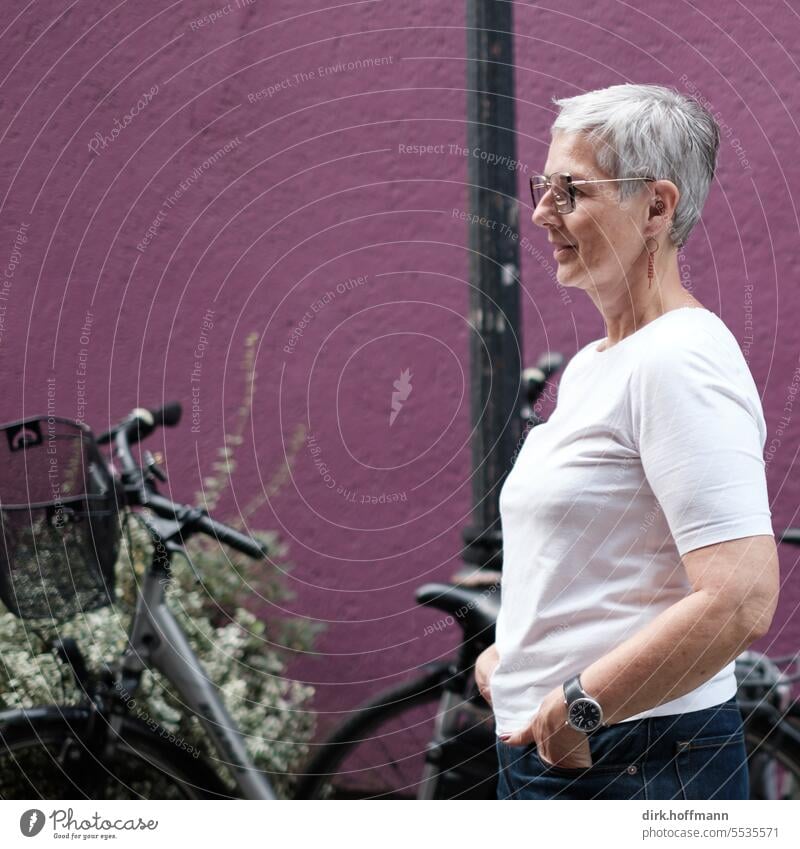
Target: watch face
[[585, 714]]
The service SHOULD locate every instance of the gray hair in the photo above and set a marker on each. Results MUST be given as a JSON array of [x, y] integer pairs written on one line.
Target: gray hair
[[648, 130]]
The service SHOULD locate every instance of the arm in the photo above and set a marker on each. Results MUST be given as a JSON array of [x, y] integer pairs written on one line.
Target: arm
[[735, 592]]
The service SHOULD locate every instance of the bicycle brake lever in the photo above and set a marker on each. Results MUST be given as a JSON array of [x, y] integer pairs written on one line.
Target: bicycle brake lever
[[153, 465], [179, 549]]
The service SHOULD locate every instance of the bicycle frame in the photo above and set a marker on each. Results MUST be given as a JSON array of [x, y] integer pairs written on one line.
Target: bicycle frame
[[158, 641], [450, 702], [453, 700]]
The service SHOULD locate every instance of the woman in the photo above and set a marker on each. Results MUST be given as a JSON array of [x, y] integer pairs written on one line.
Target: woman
[[639, 556]]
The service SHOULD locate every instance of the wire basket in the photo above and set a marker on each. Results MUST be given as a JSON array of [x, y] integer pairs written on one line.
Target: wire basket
[[59, 524]]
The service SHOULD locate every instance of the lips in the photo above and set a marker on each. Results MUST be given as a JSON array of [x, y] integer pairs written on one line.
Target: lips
[[563, 251]]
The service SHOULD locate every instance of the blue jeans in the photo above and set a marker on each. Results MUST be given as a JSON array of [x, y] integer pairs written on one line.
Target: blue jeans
[[697, 755]]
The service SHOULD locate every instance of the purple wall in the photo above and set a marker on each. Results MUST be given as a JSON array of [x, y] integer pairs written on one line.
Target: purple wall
[[171, 184]]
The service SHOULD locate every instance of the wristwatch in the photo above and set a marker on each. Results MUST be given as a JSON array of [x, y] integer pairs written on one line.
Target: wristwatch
[[583, 712]]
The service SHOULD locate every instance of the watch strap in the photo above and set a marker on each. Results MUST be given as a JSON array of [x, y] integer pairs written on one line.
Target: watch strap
[[573, 690]]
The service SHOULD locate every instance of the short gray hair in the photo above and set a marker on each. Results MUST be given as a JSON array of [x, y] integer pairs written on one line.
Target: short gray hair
[[649, 130]]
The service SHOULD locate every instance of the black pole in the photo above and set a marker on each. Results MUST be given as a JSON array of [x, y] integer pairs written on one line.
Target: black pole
[[495, 359]]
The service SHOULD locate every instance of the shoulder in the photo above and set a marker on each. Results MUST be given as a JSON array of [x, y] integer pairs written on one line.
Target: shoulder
[[693, 341], [696, 362]]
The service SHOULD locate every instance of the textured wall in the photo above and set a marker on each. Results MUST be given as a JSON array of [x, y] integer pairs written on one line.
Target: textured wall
[[175, 177]]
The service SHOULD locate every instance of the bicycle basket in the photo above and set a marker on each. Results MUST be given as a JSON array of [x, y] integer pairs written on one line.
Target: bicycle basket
[[59, 527]]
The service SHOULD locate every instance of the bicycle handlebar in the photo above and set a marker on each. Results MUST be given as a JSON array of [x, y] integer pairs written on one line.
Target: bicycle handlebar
[[791, 536], [194, 519], [241, 542], [141, 422], [535, 379], [139, 487]]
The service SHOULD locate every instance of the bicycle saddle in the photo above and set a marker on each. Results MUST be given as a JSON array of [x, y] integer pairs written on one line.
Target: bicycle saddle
[[474, 610]]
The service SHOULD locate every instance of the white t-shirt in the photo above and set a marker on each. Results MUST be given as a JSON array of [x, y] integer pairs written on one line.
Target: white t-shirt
[[655, 448]]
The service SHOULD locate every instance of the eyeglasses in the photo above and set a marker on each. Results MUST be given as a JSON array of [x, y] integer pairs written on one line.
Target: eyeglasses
[[563, 187]]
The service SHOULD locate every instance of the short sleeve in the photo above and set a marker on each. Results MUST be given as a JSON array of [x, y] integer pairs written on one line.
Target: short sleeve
[[697, 418]]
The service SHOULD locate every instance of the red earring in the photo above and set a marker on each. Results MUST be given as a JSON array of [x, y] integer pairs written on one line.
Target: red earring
[[651, 268]]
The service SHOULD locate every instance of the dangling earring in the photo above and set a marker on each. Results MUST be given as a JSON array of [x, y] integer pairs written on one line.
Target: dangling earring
[[651, 268]]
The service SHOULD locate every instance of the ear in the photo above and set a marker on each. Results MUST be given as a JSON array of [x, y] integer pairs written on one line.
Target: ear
[[664, 196]]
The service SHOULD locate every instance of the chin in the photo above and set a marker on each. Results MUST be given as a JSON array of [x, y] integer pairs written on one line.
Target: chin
[[568, 279], [572, 276]]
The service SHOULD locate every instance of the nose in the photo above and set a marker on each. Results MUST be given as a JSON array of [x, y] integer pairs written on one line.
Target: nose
[[545, 213]]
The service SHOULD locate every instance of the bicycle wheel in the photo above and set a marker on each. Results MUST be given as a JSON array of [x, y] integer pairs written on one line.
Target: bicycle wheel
[[380, 752], [773, 760], [43, 755]]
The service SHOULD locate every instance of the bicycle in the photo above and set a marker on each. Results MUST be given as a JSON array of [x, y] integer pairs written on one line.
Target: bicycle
[[98, 748], [771, 724], [433, 737]]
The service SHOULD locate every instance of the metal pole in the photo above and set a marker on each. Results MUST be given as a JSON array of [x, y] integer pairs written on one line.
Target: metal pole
[[495, 343]]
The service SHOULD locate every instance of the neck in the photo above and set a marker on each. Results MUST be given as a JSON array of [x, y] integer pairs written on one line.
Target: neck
[[632, 304]]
